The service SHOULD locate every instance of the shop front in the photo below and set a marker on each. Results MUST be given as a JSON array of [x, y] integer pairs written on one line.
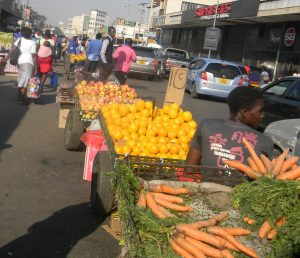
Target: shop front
[[271, 41]]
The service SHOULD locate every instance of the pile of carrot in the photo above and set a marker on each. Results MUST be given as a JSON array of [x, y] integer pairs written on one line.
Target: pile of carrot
[[280, 168], [162, 197], [206, 239]]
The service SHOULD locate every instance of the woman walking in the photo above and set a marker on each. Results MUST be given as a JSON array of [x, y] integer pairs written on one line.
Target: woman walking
[[27, 62], [45, 57]]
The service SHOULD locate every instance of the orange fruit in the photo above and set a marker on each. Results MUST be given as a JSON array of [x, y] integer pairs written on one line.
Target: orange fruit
[[142, 131], [153, 149], [126, 137], [117, 122], [151, 133], [162, 132], [146, 112], [179, 121], [132, 108], [181, 132], [184, 139], [162, 140], [119, 149], [131, 143], [148, 105], [172, 134], [172, 113], [163, 148], [175, 106], [115, 116], [174, 127], [126, 149], [134, 136], [117, 135], [192, 124], [123, 110], [136, 151], [185, 146], [173, 148], [153, 140], [133, 128], [140, 105], [165, 118], [187, 116]]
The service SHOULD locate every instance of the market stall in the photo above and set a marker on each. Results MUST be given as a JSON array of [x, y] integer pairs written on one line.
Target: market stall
[[73, 62]]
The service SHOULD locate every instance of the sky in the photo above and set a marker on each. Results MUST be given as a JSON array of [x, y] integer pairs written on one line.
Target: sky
[[61, 10]]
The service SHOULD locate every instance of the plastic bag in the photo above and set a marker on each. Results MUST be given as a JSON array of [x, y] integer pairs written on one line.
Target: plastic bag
[[33, 89], [54, 80], [93, 141]]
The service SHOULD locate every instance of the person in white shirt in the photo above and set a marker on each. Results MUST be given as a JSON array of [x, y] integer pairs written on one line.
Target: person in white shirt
[[27, 62]]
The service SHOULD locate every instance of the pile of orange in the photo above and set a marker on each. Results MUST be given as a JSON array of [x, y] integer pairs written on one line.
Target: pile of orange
[[143, 130]]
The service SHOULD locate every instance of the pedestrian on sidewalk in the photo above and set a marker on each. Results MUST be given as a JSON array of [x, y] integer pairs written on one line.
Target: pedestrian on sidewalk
[[27, 62], [124, 56], [93, 54], [107, 49]]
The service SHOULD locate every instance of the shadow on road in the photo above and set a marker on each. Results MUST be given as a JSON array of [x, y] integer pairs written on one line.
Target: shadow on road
[[55, 236], [11, 112]]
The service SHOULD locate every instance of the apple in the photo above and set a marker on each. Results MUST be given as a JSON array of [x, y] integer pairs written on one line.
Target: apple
[[84, 83], [92, 83]]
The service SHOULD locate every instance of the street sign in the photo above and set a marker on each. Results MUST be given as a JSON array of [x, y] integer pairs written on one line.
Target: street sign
[[212, 38], [289, 36]]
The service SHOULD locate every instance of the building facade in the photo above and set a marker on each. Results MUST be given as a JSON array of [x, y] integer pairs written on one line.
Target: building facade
[[256, 32], [98, 20], [81, 24], [10, 13]]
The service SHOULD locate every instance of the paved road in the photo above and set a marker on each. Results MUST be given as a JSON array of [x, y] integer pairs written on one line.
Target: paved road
[[44, 203]]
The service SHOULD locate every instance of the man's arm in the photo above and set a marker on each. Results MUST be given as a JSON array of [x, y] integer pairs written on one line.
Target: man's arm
[[116, 54], [193, 157], [103, 51], [88, 49]]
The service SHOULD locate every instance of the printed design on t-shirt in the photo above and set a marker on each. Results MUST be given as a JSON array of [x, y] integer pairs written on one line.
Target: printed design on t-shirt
[[232, 149]]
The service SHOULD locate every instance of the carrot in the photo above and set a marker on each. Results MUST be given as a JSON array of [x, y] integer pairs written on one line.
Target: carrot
[[172, 190], [264, 229], [227, 244], [179, 250], [151, 203], [256, 159], [274, 231], [206, 249], [242, 167], [189, 247], [199, 235], [252, 164], [289, 164], [173, 206], [142, 200], [294, 166], [249, 221], [155, 188], [279, 163], [223, 233], [291, 175], [211, 222], [170, 198], [166, 212], [227, 254], [238, 231], [267, 162], [273, 163]]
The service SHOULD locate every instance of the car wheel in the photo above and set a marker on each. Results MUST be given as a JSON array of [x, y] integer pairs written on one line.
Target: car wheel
[[159, 72], [193, 91]]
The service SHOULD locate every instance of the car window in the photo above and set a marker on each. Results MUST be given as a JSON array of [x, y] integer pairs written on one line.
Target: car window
[[175, 53], [279, 88], [295, 92], [197, 64], [144, 52], [243, 70], [223, 70]]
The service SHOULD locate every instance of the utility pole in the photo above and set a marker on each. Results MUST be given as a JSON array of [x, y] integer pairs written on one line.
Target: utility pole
[[142, 13], [214, 25], [150, 14]]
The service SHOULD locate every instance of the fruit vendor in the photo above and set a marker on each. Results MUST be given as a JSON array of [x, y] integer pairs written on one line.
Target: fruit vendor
[[219, 139]]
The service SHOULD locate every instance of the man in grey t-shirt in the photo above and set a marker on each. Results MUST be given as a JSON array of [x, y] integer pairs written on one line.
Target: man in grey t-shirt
[[217, 139]]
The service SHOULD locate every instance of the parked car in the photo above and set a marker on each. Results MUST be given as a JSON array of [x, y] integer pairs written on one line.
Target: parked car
[[146, 62], [212, 77], [171, 57], [256, 76], [282, 100], [285, 134], [245, 76]]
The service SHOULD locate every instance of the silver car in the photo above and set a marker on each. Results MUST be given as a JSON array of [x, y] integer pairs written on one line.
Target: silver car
[[285, 134], [146, 62], [213, 77]]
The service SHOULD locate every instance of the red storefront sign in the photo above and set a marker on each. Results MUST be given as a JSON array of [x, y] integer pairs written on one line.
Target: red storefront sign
[[212, 10], [289, 36]]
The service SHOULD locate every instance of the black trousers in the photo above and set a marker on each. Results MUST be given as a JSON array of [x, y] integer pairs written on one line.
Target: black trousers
[[121, 76], [91, 66]]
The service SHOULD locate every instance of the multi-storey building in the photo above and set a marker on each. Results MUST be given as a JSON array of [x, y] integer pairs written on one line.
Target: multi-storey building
[[10, 13], [98, 19], [253, 32], [81, 24]]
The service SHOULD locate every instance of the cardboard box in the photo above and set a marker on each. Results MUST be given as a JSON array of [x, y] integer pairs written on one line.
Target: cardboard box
[[115, 223], [63, 114], [176, 86]]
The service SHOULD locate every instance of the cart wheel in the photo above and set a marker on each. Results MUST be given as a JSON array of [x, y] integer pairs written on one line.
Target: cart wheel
[[102, 197], [73, 131]]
